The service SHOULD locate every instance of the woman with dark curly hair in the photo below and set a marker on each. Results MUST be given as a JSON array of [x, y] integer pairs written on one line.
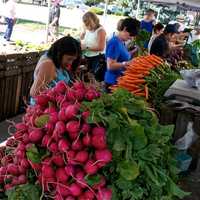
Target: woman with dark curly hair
[[58, 63]]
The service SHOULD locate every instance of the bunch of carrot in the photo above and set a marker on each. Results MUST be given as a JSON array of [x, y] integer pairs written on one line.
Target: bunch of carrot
[[134, 76]]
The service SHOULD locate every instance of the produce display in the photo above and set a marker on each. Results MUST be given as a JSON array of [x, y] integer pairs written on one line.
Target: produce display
[[75, 144], [143, 165], [54, 152], [134, 77]]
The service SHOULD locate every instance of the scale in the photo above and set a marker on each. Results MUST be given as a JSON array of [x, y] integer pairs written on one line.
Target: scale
[[181, 91]]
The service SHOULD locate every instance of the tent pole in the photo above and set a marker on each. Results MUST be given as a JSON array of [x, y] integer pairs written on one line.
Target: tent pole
[[105, 11], [47, 24], [138, 9]]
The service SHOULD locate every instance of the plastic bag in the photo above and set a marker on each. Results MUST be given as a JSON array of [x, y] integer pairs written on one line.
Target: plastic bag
[[192, 77], [188, 139]]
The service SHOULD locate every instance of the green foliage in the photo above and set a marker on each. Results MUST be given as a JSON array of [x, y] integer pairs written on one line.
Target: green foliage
[[97, 11], [24, 192], [159, 80], [42, 120], [143, 163]]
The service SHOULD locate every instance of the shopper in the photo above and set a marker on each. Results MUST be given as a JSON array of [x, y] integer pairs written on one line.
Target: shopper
[[93, 41], [54, 20], [58, 63], [157, 30], [117, 55], [149, 20], [10, 17], [161, 45]]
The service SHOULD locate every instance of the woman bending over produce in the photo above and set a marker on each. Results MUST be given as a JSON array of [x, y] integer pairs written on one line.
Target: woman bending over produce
[[117, 55], [58, 63]]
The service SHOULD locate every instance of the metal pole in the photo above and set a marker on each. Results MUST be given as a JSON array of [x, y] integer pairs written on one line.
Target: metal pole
[[138, 9], [47, 24]]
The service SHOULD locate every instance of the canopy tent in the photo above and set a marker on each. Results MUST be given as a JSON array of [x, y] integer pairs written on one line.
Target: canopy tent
[[193, 5]]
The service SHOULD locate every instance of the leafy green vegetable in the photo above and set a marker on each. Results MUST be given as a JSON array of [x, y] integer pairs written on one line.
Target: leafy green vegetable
[[143, 157], [24, 192], [41, 121], [92, 180]]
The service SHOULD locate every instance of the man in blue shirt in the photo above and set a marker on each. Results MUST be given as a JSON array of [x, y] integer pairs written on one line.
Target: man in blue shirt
[[117, 55]]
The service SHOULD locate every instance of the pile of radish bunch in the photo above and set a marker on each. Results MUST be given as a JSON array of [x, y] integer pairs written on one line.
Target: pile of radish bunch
[[75, 150]]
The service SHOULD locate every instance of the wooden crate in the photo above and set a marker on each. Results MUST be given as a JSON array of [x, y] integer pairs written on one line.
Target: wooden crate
[[16, 76]]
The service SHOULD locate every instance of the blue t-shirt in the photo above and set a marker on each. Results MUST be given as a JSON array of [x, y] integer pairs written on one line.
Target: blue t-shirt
[[116, 50], [148, 26]]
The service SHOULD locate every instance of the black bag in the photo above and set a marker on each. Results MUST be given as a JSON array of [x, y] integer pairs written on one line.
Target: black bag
[[101, 68]]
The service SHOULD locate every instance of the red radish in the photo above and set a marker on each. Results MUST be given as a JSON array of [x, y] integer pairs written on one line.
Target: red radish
[[89, 195], [36, 166], [3, 171], [85, 115], [61, 176], [104, 156], [101, 183], [71, 111], [60, 99], [49, 127], [42, 100], [22, 170], [99, 141], [75, 189], [15, 181], [35, 135], [63, 145], [50, 110], [74, 135], [71, 95], [90, 167], [53, 117], [60, 87], [90, 95], [58, 160], [98, 131], [61, 189], [12, 169], [11, 142], [47, 171], [22, 179], [21, 127], [64, 104], [24, 163], [85, 128], [47, 161], [58, 197], [80, 179], [69, 170], [18, 135], [104, 194], [46, 140], [61, 115], [82, 156], [78, 85], [73, 126], [77, 145], [7, 187], [25, 138], [70, 198], [6, 160], [53, 147], [79, 94], [70, 155], [86, 140], [60, 127], [21, 147]]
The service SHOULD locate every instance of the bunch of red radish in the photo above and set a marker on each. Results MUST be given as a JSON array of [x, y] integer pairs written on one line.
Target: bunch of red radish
[[76, 149]]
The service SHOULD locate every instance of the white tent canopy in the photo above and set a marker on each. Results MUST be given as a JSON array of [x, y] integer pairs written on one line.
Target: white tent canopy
[[195, 3]]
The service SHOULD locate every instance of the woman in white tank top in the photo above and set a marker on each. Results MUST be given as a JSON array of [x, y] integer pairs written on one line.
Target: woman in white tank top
[[93, 40]]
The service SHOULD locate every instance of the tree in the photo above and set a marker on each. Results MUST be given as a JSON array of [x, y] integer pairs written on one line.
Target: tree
[[93, 2]]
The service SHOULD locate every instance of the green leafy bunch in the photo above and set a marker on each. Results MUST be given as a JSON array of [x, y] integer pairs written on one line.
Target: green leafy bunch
[[159, 80], [143, 165]]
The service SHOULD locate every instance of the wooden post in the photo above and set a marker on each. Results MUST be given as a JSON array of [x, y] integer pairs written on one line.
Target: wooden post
[[47, 24]]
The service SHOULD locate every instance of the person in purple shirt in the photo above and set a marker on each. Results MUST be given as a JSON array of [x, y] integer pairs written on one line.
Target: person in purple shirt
[[117, 55]]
